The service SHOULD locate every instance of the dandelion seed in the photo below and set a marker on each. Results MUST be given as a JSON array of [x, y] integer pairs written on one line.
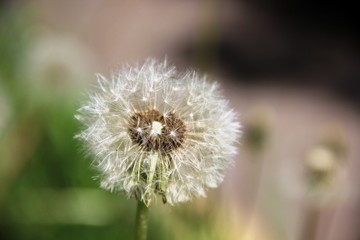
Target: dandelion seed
[[156, 132]]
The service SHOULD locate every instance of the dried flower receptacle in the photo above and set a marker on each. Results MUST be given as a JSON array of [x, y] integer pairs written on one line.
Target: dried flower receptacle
[[155, 132]]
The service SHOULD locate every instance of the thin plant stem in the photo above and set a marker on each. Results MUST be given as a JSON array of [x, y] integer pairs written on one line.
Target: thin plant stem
[[310, 223], [331, 218], [256, 180], [141, 221]]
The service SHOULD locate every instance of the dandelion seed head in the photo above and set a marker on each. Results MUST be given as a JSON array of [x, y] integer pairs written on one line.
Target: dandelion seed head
[[156, 132]]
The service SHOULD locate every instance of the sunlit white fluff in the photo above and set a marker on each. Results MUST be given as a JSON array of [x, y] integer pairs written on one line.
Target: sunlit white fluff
[[202, 155]]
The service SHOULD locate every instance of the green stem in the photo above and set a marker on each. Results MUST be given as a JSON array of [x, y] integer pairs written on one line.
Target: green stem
[[141, 221]]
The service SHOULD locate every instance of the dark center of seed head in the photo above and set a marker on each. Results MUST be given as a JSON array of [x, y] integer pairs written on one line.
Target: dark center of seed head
[[153, 131]]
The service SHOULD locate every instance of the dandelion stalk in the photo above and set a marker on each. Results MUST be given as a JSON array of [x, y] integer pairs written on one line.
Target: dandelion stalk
[[310, 224], [257, 132], [322, 165], [141, 221]]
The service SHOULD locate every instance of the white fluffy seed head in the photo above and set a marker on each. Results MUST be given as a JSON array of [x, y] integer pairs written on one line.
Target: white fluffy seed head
[[156, 132]]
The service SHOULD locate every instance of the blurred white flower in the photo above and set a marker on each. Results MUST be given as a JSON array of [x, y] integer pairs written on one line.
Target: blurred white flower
[[57, 65], [324, 175], [154, 131], [321, 160]]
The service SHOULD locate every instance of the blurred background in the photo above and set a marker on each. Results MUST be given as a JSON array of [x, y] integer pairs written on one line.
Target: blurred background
[[290, 68]]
